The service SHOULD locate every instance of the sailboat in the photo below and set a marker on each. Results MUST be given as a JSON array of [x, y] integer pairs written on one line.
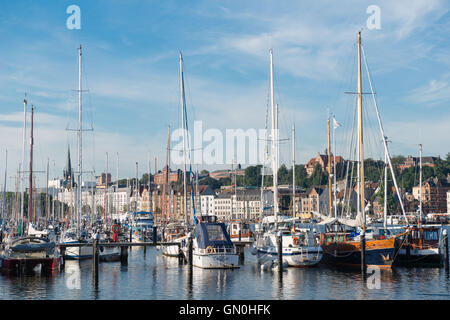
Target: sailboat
[[300, 247], [74, 234], [341, 242], [26, 253], [422, 244], [211, 244]]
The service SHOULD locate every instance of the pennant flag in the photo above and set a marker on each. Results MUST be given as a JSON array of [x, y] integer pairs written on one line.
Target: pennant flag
[[335, 123]]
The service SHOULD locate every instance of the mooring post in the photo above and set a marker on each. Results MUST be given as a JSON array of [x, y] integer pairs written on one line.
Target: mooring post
[[154, 235], [123, 255], [62, 252], [241, 253], [280, 251], [240, 226], [95, 258], [445, 249], [363, 252], [408, 246], [190, 251]]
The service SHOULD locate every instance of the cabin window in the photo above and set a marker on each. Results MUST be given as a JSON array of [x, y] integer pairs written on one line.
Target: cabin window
[[215, 233], [431, 235]]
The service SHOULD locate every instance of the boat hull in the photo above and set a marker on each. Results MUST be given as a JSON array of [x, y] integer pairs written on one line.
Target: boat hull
[[379, 253], [28, 264], [419, 257], [78, 253], [294, 257], [215, 261]]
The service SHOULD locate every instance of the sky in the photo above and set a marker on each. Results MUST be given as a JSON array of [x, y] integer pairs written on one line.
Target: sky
[[131, 74]]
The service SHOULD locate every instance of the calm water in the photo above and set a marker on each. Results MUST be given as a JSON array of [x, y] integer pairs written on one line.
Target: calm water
[[152, 276]]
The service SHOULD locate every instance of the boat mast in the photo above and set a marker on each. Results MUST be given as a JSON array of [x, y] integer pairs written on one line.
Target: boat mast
[[293, 170], [137, 189], [334, 167], [117, 185], [420, 185], [166, 179], [105, 202], [385, 190], [30, 191], [183, 106], [266, 152], [330, 207], [79, 205], [360, 134], [274, 145], [4, 191], [149, 192], [22, 183]]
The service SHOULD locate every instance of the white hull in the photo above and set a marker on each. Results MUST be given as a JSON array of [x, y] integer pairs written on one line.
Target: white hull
[[293, 257], [215, 261], [78, 253]]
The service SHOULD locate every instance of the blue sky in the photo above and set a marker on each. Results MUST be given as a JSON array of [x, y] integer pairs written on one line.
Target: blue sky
[[130, 61]]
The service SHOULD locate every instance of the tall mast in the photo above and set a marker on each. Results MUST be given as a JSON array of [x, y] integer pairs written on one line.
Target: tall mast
[[137, 188], [266, 151], [293, 170], [385, 190], [4, 191], [117, 184], [329, 169], [47, 203], [105, 202], [30, 191], [149, 190], [360, 133], [334, 167], [274, 144], [166, 178], [183, 107], [420, 185], [80, 128], [22, 183]]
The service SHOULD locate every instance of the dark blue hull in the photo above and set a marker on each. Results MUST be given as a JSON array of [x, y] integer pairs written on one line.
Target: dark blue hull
[[382, 258]]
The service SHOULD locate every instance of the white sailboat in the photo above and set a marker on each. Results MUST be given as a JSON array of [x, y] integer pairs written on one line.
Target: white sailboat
[[75, 234], [300, 247]]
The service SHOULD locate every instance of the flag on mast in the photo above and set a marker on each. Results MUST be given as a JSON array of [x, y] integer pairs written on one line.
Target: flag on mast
[[335, 123]]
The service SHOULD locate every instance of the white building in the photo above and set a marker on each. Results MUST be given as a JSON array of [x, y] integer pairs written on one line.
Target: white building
[[448, 202]]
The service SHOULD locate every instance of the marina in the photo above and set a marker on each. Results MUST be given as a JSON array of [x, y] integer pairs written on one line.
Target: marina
[[177, 160]]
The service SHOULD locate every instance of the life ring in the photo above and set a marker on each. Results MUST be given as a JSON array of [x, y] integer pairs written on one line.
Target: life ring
[[115, 228], [209, 250], [295, 240]]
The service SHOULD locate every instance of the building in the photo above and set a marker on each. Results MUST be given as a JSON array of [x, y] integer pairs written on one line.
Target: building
[[227, 173], [414, 161], [174, 176], [434, 195], [101, 180], [322, 160], [448, 202]]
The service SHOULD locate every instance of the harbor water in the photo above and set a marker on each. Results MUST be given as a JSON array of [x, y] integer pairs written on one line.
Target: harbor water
[[151, 276]]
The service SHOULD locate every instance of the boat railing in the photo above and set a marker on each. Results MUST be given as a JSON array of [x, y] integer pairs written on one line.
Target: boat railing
[[218, 250]]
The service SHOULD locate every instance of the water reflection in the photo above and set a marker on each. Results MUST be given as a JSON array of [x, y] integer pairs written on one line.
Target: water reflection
[[153, 276]]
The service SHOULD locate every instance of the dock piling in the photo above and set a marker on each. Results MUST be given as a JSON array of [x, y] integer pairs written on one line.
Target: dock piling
[[280, 251], [154, 235], [445, 250], [363, 252], [190, 256], [95, 259], [124, 255]]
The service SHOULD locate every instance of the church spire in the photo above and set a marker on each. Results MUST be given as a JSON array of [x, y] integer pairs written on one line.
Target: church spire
[[68, 179]]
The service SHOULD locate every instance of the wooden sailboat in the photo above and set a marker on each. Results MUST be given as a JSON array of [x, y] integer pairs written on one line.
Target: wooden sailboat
[[25, 253], [422, 244], [342, 246]]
